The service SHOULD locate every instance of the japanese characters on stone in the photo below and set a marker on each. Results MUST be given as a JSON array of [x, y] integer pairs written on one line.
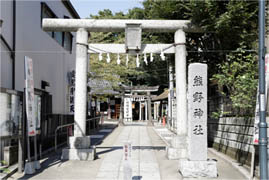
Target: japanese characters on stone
[[197, 112], [72, 92]]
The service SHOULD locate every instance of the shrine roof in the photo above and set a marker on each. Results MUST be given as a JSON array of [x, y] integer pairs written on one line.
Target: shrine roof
[[141, 88]]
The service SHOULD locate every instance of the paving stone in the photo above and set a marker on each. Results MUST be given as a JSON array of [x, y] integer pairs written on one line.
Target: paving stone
[[143, 161]]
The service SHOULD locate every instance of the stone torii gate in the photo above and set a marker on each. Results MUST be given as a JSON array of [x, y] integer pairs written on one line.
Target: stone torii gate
[[80, 143], [143, 89]]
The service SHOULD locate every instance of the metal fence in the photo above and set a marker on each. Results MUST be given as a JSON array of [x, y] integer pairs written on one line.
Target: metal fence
[[69, 128]]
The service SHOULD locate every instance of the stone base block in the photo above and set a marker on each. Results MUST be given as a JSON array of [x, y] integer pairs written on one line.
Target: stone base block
[[79, 154], [37, 164], [194, 169], [80, 142], [176, 153], [29, 168], [179, 142], [178, 148]]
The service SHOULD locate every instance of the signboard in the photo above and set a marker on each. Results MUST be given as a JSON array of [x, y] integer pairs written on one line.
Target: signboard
[[29, 95], [257, 110], [71, 77], [127, 108], [138, 98]]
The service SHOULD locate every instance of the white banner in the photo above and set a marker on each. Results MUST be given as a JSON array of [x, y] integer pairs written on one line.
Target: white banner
[[38, 111], [127, 108], [29, 95], [127, 160]]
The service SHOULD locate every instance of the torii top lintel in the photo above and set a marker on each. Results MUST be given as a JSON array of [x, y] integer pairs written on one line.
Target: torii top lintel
[[116, 25]]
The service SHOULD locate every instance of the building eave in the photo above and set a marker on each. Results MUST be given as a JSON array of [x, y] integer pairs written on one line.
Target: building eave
[[71, 9]]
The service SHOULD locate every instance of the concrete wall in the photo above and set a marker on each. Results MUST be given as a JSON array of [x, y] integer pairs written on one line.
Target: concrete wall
[[232, 136], [51, 61]]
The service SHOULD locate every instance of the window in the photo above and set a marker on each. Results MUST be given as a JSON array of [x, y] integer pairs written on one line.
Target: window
[[58, 36], [68, 38], [46, 12]]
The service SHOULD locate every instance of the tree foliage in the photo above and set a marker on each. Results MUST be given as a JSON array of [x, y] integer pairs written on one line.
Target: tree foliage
[[238, 79], [228, 43], [233, 29]]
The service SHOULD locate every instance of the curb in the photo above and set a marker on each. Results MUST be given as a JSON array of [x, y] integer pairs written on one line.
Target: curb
[[167, 144], [224, 157], [231, 161]]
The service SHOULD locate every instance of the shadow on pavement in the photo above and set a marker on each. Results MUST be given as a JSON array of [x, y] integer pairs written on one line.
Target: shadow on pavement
[[136, 177], [113, 148], [50, 161]]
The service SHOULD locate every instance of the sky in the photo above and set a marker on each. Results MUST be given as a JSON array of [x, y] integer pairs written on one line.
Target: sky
[[87, 7]]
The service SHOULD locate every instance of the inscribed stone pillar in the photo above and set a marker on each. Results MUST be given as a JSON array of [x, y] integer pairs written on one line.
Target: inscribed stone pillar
[[181, 85], [197, 113], [81, 82], [197, 164]]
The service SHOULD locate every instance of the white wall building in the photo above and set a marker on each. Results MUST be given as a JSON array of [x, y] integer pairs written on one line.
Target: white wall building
[[53, 55]]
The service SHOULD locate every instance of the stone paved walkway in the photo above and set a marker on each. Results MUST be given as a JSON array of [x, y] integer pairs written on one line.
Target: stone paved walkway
[[144, 163], [149, 161]]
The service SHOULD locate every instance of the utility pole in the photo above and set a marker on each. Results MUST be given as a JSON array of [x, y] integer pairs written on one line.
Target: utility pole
[[262, 123]]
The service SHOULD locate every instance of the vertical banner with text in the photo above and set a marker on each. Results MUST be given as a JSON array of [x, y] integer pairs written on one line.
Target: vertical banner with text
[[29, 95], [127, 108]]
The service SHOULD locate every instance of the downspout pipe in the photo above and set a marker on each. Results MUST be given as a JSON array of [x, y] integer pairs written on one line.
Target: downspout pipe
[[262, 124], [13, 44]]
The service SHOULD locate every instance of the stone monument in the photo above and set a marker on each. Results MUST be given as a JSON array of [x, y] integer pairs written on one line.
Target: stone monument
[[197, 164]]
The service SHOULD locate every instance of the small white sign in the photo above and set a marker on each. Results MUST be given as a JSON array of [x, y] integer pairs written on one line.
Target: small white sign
[[127, 157], [29, 94]]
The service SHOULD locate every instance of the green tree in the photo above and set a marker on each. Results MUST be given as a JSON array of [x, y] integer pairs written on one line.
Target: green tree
[[238, 79], [232, 27], [229, 41]]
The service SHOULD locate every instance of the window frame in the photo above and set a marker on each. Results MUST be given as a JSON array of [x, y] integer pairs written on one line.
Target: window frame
[[45, 7], [71, 38]]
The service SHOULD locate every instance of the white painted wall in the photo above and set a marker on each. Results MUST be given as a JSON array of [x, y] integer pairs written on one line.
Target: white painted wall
[[6, 14], [51, 61]]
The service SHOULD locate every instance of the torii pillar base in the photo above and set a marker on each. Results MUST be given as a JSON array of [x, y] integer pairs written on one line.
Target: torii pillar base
[[178, 148], [80, 149], [198, 169]]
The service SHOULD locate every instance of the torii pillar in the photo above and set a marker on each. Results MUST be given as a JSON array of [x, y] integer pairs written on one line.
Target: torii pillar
[[80, 144], [178, 148]]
